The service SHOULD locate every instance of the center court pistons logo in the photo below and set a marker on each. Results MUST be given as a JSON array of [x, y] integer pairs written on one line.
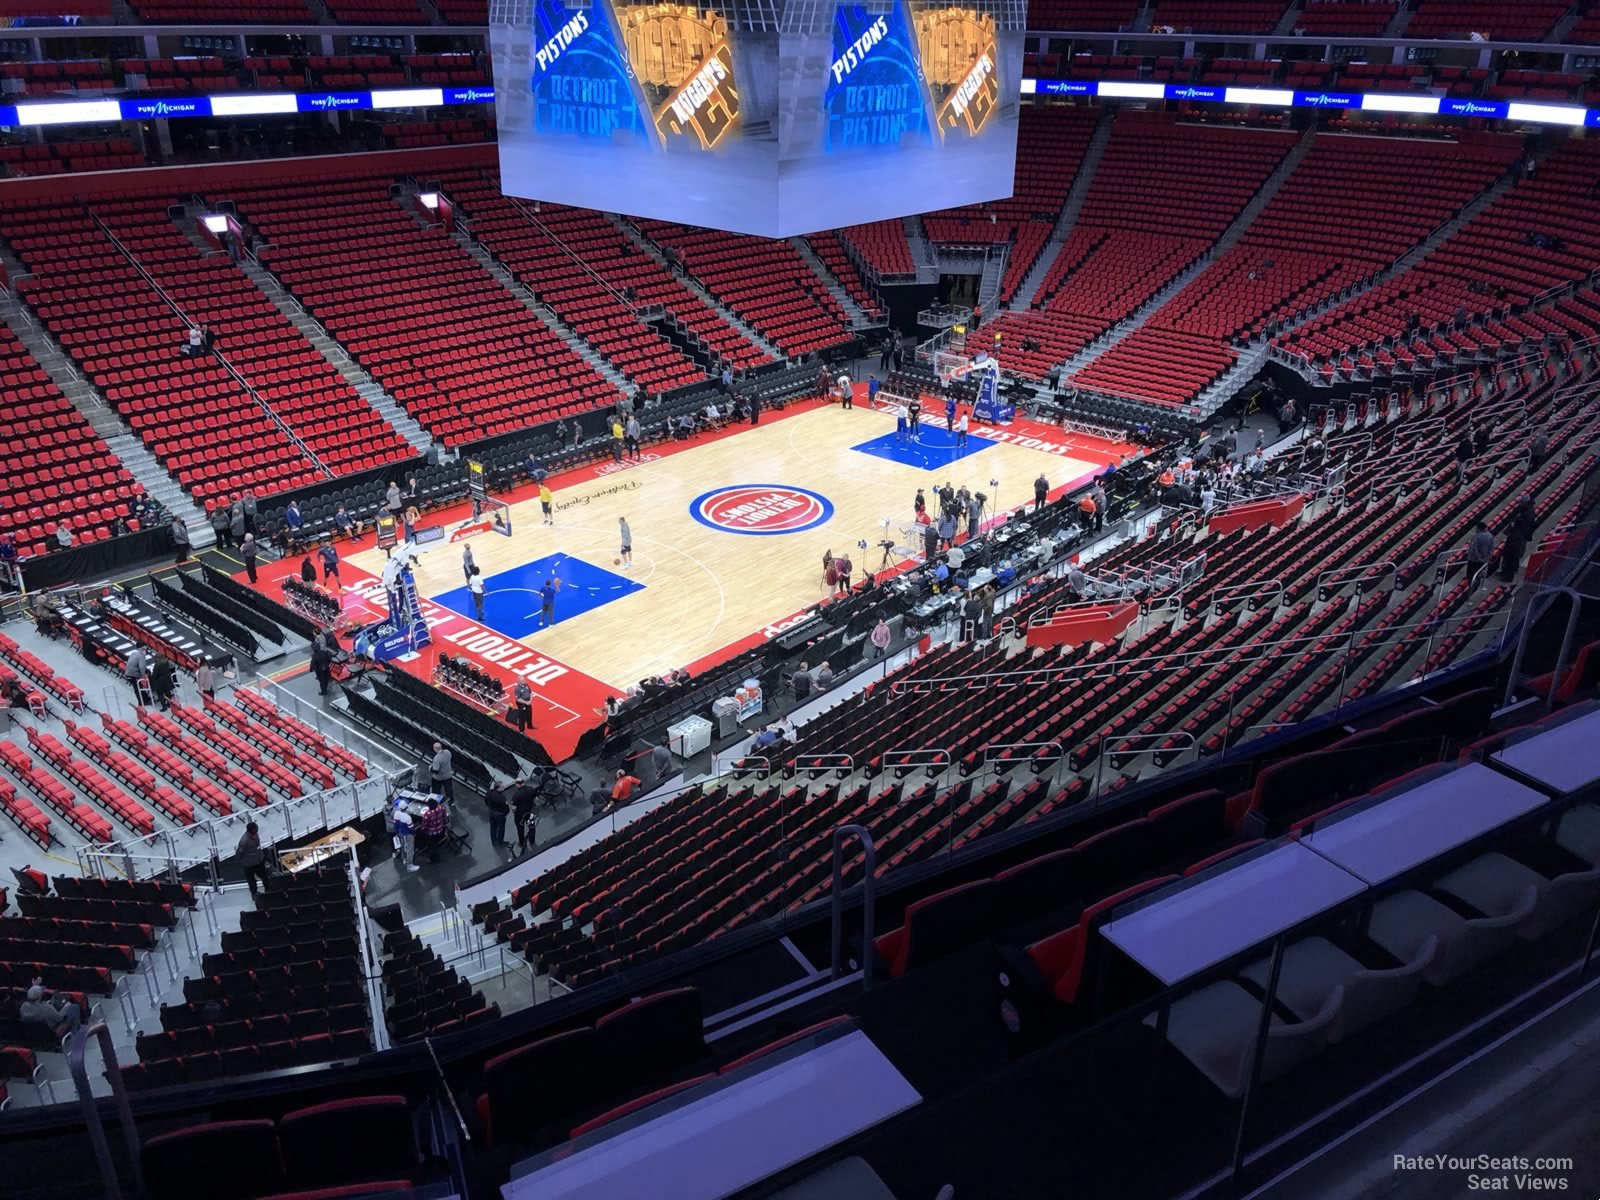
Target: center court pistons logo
[[761, 509]]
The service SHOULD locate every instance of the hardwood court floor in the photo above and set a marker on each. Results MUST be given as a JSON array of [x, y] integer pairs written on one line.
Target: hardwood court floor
[[705, 587]]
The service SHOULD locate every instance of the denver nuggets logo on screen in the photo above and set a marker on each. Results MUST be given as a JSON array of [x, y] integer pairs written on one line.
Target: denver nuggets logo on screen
[[761, 509]]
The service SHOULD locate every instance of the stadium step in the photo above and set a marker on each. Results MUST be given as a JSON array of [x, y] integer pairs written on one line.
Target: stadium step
[[921, 251], [858, 316], [631, 232], [994, 273], [1117, 333], [1290, 18], [1244, 369], [1397, 23], [159, 485], [1101, 138], [372, 391], [1468, 213], [560, 328]]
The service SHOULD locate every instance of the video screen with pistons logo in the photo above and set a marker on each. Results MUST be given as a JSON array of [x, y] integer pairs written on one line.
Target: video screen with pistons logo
[[768, 119]]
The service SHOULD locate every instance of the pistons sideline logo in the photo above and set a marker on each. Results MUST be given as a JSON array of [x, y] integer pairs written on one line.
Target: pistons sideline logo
[[761, 509]]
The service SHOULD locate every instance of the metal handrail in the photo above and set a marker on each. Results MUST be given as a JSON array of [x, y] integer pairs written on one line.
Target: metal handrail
[[1576, 599], [869, 895], [843, 763], [924, 758], [92, 851], [1356, 572], [1100, 757], [371, 747], [76, 1042], [993, 750], [1251, 589], [188, 321], [1288, 647]]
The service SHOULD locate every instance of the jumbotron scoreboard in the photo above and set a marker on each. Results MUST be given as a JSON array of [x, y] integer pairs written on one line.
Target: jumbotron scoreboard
[[770, 117]]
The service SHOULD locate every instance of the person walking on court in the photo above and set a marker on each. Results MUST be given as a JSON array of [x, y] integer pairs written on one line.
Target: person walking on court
[[330, 565], [844, 566], [441, 772], [961, 429], [547, 602], [950, 413], [873, 387], [467, 564], [1041, 490], [755, 408], [475, 586], [617, 435], [247, 554], [631, 437], [974, 514], [902, 422], [391, 500], [252, 857], [627, 542], [547, 501], [522, 705], [914, 417]]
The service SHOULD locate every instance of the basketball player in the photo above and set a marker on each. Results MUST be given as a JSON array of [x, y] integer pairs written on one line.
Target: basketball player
[[901, 422], [547, 502], [547, 602], [627, 542], [914, 415]]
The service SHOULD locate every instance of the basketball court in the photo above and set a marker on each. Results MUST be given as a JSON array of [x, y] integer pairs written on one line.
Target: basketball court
[[729, 531]]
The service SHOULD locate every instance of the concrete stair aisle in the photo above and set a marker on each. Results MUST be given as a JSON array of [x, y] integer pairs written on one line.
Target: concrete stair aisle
[[1397, 23], [1415, 255], [506, 279], [1217, 393], [312, 329], [1558, 35], [994, 273], [921, 251], [633, 234], [133, 453], [859, 317], [579, 346], [1229, 238], [1290, 18], [1029, 288]]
